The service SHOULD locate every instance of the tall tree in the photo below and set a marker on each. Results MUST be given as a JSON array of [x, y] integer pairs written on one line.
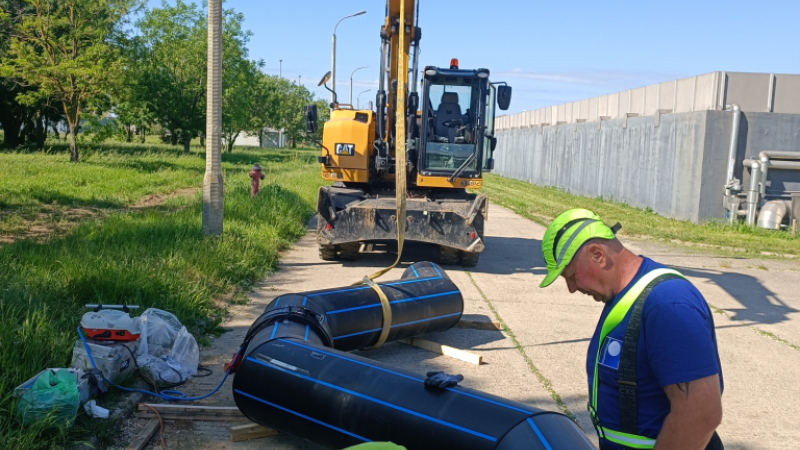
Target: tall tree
[[64, 48]]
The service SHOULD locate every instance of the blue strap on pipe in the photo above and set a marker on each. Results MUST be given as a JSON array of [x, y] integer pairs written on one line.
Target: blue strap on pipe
[[169, 395]]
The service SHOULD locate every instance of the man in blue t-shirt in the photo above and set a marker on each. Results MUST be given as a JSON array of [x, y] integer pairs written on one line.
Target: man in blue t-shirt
[[655, 379]]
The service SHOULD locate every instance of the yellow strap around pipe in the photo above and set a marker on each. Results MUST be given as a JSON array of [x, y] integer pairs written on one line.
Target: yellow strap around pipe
[[399, 174]]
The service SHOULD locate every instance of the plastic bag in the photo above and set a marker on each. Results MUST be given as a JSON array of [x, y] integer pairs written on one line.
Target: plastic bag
[[167, 349], [53, 391]]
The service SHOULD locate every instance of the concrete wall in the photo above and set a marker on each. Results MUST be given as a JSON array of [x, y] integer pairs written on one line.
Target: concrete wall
[[672, 163], [753, 92]]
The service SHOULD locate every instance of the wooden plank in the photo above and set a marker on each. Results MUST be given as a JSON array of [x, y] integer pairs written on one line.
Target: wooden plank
[[191, 412], [191, 409], [251, 431], [185, 416], [445, 350], [479, 325], [143, 437]]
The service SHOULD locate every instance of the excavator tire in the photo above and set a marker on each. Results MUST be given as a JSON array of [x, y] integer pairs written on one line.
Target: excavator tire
[[327, 252], [469, 259], [448, 255], [349, 252]]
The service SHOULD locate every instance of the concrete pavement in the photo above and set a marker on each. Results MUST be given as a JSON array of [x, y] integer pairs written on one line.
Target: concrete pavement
[[541, 362]]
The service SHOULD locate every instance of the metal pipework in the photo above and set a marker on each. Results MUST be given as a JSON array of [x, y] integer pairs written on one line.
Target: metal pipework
[[737, 116], [766, 162], [752, 192], [772, 214]]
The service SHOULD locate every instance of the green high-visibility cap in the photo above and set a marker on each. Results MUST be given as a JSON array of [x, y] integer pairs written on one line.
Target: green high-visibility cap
[[566, 234]]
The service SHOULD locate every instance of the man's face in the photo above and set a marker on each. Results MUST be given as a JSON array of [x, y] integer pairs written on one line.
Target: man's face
[[583, 274]]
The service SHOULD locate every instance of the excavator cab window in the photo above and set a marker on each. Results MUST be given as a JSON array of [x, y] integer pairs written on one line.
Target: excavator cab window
[[450, 137]]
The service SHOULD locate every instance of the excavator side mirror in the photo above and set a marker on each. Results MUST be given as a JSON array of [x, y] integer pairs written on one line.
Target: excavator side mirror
[[503, 97], [310, 113], [325, 78]]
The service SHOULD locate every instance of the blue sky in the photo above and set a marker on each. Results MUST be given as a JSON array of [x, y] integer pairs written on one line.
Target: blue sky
[[550, 51]]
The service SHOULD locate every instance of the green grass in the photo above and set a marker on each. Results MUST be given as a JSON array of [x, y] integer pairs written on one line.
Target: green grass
[[542, 204], [155, 256]]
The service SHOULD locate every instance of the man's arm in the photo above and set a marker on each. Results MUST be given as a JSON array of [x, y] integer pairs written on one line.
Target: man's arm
[[695, 412]]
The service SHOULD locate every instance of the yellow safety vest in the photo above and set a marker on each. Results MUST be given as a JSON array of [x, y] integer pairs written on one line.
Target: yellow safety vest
[[617, 314]]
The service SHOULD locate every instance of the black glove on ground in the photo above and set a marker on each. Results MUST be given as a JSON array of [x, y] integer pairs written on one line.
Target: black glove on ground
[[441, 380]]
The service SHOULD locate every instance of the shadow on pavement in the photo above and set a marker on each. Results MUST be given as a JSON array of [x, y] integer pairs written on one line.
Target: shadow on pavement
[[760, 304]]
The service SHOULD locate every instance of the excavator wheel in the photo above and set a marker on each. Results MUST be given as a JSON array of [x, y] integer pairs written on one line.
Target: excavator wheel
[[448, 255], [349, 252], [327, 252], [469, 259]]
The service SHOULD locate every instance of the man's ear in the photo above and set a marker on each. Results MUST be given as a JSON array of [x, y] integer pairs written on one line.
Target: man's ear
[[596, 253]]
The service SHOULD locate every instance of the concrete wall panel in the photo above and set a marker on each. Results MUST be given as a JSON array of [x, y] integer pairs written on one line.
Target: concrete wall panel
[[749, 90], [786, 97]]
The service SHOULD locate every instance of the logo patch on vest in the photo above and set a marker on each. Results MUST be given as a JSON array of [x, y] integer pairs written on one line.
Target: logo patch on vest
[[610, 353]]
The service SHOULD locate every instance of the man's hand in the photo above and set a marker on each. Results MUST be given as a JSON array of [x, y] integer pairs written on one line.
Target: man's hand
[[695, 412]]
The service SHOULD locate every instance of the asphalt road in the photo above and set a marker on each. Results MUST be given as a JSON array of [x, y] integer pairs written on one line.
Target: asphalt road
[[757, 321]]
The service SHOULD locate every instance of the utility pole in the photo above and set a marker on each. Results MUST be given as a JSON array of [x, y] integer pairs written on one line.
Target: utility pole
[[280, 70], [333, 54], [213, 189]]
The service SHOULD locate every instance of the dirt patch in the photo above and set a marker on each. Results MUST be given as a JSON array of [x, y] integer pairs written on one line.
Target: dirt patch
[[154, 200], [55, 221]]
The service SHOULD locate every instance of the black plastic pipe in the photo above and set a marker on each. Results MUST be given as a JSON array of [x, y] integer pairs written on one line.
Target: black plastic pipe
[[337, 399], [289, 378], [348, 318]]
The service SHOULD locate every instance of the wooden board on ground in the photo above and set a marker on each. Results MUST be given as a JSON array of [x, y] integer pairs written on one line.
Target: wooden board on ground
[[251, 431], [143, 437], [445, 350], [191, 412], [478, 325]]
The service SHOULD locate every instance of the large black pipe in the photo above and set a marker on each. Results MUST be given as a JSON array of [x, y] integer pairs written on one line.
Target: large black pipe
[[289, 377], [348, 318], [337, 399]]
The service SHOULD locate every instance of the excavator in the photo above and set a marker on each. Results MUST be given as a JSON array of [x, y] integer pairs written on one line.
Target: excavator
[[419, 156]]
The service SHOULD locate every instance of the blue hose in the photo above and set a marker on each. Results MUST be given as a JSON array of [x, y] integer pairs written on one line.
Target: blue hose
[[169, 395]]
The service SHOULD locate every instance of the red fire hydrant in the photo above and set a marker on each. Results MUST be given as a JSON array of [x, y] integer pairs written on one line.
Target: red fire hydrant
[[256, 175]]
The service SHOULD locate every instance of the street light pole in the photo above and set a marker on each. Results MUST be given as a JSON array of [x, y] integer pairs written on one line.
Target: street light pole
[[358, 97], [351, 83], [280, 70], [333, 54]]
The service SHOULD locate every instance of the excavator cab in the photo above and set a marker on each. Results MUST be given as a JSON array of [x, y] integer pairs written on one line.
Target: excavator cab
[[457, 126]]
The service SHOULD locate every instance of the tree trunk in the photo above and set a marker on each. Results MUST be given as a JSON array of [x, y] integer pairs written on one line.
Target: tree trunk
[[128, 133], [73, 147], [202, 139], [11, 136], [187, 141], [231, 141], [174, 136], [41, 134]]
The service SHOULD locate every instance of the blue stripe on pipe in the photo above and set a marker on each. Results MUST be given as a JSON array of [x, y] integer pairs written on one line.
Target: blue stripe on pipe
[[305, 338], [277, 300], [375, 400], [292, 342], [396, 283], [274, 329], [415, 271], [375, 305], [302, 415], [356, 334], [539, 433], [425, 320], [437, 270], [305, 299], [588, 444], [397, 325]]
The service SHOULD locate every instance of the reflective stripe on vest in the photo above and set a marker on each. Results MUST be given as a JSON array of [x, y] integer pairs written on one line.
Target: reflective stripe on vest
[[617, 314]]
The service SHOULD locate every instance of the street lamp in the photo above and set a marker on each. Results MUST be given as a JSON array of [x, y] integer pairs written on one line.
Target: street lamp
[[351, 83], [280, 70], [358, 97], [333, 54]]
